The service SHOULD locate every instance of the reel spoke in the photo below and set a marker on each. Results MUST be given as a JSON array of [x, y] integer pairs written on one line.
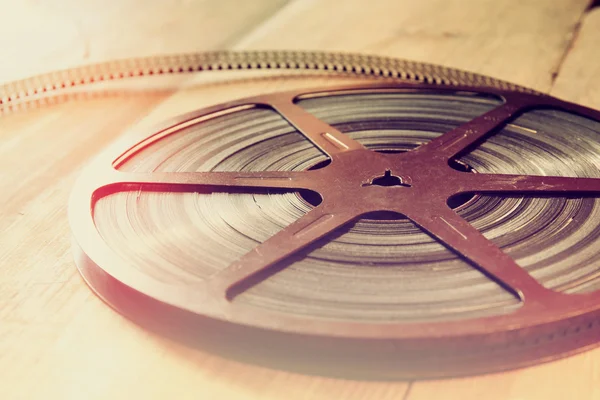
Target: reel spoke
[[288, 242], [482, 183], [458, 234], [224, 181], [457, 140], [321, 134]]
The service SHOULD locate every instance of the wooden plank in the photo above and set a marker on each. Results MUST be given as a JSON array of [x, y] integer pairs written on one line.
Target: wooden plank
[[517, 41], [579, 76], [41, 37], [574, 377]]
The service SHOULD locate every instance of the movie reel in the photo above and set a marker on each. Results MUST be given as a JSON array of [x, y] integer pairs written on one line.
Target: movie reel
[[381, 154], [442, 224]]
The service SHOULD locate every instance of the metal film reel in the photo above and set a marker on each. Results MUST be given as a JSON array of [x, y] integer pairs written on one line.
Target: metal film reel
[[412, 229]]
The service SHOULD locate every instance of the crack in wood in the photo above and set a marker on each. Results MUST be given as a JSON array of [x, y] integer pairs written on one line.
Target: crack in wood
[[574, 35]]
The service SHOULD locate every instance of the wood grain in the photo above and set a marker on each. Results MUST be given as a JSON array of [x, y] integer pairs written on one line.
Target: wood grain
[[45, 36], [579, 77], [575, 377], [522, 42], [58, 341]]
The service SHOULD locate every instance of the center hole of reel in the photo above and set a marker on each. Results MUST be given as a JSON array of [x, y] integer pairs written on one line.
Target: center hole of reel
[[387, 179]]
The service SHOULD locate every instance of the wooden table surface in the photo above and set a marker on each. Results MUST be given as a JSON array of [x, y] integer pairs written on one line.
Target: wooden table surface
[[58, 341]]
